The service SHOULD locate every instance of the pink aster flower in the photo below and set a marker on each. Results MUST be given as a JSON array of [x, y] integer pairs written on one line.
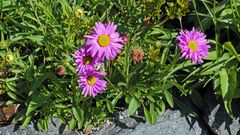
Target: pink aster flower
[[104, 41], [83, 60], [193, 44], [91, 83]]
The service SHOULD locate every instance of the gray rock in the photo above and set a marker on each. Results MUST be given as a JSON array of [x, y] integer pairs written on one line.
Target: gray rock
[[55, 127], [218, 119], [170, 123]]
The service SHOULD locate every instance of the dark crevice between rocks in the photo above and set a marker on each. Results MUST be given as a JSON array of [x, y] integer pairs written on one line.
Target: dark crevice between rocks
[[201, 115]]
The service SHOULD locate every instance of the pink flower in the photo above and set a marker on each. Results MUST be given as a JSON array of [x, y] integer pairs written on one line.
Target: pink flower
[[104, 41], [193, 44], [83, 60], [91, 83]]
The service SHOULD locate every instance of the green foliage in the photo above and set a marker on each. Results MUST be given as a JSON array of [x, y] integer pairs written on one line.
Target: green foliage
[[39, 36]]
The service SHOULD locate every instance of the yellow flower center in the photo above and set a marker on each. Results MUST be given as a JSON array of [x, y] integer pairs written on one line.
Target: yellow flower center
[[104, 40], [91, 80], [87, 60], [192, 45]]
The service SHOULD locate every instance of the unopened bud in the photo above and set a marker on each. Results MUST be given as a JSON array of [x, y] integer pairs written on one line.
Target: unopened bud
[[60, 70], [9, 58], [79, 13]]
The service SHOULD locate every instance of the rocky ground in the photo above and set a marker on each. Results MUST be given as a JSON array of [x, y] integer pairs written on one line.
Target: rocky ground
[[213, 120]]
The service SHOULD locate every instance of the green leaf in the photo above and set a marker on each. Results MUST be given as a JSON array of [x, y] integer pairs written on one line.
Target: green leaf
[[26, 121], [62, 106], [38, 82], [226, 12], [40, 125], [211, 56], [180, 87], [228, 107], [147, 114], [133, 106], [36, 101], [11, 87], [115, 100], [76, 114], [154, 115], [228, 45], [150, 98], [72, 124], [109, 105], [168, 97], [15, 97], [213, 67], [224, 82], [180, 66], [19, 116], [232, 80]]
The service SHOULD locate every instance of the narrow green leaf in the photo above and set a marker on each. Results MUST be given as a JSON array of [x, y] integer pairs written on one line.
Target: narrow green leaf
[[115, 100], [228, 107], [36, 101], [11, 87], [26, 121], [19, 116], [150, 98], [62, 106], [72, 124], [224, 82], [76, 113], [228, 45], [15, 97], [232, 80], [168, 97], [147, 114], [40, 125], [162, 107], [154, 116], [38, 82], [180, 87], [109, 106]]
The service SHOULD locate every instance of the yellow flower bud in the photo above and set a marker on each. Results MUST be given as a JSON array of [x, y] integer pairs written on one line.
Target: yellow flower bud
[[3, 44], [9, 58], [79, 13]]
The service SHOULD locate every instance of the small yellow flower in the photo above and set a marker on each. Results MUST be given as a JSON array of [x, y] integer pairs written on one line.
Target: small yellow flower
[[79, 13]]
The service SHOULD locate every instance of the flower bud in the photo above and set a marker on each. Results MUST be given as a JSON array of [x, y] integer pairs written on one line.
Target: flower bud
[[137, 55], [125, 39], [79, 13], [60, 70], [9, 58], [3, 44]]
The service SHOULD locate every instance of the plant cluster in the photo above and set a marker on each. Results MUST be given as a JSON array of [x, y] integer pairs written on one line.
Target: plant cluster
[[82, 61]]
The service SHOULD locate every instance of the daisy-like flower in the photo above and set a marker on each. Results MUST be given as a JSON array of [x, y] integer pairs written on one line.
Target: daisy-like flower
[[104, 41], [91, 83], [83, 60], [193, 44]]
